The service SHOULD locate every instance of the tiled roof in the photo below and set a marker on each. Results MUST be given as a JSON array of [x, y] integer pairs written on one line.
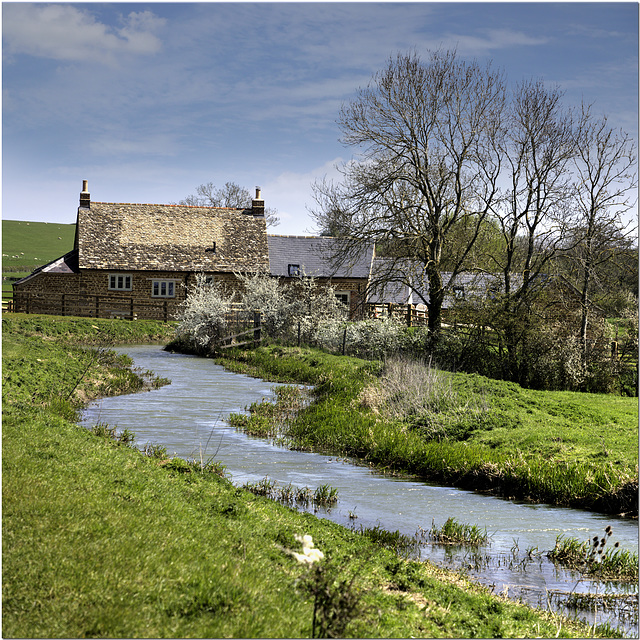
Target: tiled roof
[[312, 254], [170, 237]]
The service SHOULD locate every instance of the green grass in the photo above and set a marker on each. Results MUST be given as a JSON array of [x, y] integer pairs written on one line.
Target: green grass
[[28, 245], [87, 331], [100, 540], [567, 448]]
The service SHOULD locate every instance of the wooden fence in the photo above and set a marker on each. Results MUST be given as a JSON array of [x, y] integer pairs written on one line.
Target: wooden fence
[[407, 313], [94, 306], [243, 328]]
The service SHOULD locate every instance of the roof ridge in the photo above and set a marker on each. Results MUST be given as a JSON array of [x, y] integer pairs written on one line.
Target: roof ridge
[[282, 235], [159, 204]]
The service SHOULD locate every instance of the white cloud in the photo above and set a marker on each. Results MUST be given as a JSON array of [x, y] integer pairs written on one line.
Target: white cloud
[[490, 40], [65, 32]]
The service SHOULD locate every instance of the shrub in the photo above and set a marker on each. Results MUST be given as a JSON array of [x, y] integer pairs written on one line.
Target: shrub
[[421, 396], [265, 293], [288, 310], [202, 318]]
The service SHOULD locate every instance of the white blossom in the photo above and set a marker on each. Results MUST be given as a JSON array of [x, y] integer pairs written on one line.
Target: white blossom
[[309, 553]]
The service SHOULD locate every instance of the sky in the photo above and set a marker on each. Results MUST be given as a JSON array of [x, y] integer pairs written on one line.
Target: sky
[[147, 101]]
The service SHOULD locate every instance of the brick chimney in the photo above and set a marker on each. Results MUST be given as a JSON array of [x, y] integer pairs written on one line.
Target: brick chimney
[[85, 196], [257, 204]]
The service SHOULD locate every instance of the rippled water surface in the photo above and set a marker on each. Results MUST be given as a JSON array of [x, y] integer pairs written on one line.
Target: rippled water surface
[[188, 417]]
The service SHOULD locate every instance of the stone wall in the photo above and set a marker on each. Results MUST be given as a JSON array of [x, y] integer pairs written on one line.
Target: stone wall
[[87, 294]]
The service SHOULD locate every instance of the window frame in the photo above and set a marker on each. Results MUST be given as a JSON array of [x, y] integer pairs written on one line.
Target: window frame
[[169, 285], [294, 270], [340, 294], [114, 279], [458, 292]]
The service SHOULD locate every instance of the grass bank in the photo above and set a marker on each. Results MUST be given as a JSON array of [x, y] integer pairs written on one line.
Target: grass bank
[[565, 448], [28, 245], [100, 540]]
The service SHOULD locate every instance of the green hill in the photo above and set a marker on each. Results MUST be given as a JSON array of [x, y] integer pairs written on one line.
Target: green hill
[[28, 245]]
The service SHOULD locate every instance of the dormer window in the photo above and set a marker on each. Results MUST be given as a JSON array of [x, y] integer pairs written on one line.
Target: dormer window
[[294, 270]]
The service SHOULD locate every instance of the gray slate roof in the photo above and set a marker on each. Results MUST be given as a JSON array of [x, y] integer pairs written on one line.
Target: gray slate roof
[[472, 284], [313, 255], [68, 263]]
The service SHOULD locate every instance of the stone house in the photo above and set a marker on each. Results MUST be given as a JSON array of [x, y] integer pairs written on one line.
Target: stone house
[[138, 260], [292, 257]]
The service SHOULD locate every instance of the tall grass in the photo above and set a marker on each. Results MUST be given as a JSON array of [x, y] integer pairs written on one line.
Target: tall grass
[[423, 398], [454, 532], [467, 430], [593, 558], [324, 495]]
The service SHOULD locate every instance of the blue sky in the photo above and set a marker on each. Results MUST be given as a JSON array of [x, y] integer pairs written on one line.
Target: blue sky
[[149, 100]]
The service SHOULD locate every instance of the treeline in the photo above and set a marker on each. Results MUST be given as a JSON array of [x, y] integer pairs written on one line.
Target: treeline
[[303, 312], [457, 171]]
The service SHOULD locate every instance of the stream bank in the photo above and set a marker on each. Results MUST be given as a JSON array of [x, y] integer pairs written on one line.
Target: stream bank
[[188, 417]]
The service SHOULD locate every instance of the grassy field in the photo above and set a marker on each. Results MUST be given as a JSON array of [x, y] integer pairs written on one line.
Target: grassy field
[[100, 540], [565, 448], [28, 245]]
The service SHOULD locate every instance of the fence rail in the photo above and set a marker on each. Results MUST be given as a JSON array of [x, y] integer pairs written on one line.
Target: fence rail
[[241, 323], [94, 306], [407, 313]]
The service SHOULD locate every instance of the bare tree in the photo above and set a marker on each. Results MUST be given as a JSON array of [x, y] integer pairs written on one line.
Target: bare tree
[[534, 209], [605, 190], [429, 164], [230, 195]]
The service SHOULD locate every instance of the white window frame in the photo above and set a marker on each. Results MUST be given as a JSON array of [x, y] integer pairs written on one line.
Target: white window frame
[[120, 282], [294, 270], [163, 288]]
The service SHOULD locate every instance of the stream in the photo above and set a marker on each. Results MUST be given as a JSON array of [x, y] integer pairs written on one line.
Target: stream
[[188, 417]]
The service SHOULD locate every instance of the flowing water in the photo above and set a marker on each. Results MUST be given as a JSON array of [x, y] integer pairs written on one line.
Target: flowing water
[[188, 417]]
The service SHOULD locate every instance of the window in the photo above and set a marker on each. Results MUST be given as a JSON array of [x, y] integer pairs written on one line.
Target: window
[[458, 292], [344, 297], [163, 289], [294, 270], [119, 282]]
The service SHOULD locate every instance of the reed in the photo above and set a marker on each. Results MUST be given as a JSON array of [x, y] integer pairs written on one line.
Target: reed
[[591, 557], [399, 543], [324, 496], [453, 532]]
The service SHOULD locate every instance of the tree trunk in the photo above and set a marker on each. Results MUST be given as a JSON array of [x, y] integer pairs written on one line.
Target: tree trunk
[[434, 306]]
